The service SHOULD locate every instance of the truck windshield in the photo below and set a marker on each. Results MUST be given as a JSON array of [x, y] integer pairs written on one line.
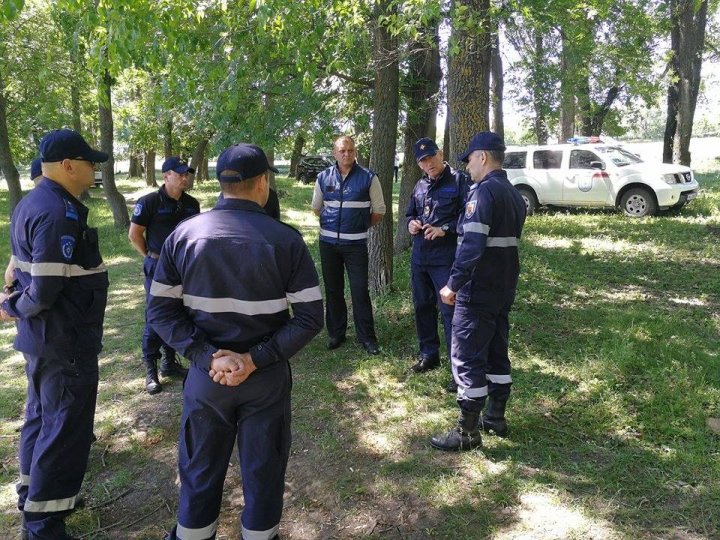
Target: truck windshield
[[618, 156]]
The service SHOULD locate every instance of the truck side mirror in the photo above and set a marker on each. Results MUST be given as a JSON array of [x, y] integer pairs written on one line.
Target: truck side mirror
[[599, 165]]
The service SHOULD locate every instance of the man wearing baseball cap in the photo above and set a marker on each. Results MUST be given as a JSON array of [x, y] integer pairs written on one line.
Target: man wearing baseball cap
[[482, 285], [432, 215], [155, 216], [236, 292], [59, 306]]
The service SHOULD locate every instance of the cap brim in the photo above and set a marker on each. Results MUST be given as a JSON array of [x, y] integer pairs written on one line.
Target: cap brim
[[98, 157], [274, 169], [182, 169], [465, 155], [423, 155]]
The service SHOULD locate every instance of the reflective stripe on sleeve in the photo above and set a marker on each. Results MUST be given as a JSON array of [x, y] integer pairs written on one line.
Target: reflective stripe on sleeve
[[471, 393], [56, 505], [479, 228], [48, 269], [248, 534], [311, 294], [233, 305], [344, 236], [348, 204], [167, 291], [24, 480], [498, 379], [186, 533], [502, 241]]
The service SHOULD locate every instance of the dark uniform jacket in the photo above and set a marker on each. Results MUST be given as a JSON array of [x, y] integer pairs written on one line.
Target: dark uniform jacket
[[439, 204], [226, 280], [345, 215], [62, 292], [160, 214], [487, 266]]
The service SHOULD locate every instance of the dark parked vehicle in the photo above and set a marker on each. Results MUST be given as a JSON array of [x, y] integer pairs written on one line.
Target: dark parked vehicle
[[310, 166]]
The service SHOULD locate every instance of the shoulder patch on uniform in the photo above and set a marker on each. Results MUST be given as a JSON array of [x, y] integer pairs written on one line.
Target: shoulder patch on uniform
[[138, 209], [67, 246], [70, 210], [470, 208]]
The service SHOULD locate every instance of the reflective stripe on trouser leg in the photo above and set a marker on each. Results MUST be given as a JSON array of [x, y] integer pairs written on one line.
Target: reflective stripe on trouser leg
[[498, 370], [264, 448], [207, 436], [473, 330], [68, 392]]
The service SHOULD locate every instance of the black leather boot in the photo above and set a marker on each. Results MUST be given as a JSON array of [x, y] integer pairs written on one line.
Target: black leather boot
[[493, 418], [152, 383], [464, 436], [169, 365]]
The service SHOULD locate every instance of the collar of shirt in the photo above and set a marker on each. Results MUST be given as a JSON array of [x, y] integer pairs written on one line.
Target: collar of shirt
[[238, 204], [52, 185]]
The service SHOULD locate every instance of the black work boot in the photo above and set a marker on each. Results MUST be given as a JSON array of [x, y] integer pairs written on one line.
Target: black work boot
[[464, 436], [493, 418], [170, 366], [426, 363], [152, 383]]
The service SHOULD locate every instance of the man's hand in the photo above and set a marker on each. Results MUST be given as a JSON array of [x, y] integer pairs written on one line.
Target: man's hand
[[230, 368], [431, 233], [447, 296], [415, 226], [4, 315]]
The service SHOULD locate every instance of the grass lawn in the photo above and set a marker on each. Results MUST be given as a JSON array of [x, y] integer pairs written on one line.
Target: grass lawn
[[615, 342]]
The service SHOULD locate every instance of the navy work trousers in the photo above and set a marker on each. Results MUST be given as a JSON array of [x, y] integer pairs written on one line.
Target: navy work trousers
[[151, 341], [55, 441], [480, 361], [257, 414], [335, 260], [426, 283]]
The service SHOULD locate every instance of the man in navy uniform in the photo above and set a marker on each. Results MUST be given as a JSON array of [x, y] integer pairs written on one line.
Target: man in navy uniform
[[482, 285], [59, 305], [349, 200], [432, 215], [155, 216], [221, 296]]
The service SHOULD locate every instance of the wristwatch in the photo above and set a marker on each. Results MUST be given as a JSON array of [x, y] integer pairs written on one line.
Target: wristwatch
[[445, 228]]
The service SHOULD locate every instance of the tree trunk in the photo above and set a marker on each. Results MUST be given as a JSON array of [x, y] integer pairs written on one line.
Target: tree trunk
[[75, 106], [135, 169], [115, 199], [198, 157], [270, 153], [689, 21], [7, 164], [469, 76], [382, 151], [567, 93], [446, 134], [296, 154], [540, 124], [150, 168], [204, 167], [423, 83], [498, 84], [168, 138], [671, 120]]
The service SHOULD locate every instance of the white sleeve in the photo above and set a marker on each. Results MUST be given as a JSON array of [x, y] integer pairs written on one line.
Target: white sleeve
[[376, 197], [317, 199]]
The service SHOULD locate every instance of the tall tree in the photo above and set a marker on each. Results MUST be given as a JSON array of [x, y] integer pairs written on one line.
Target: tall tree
[[468, 73], [687, 35]]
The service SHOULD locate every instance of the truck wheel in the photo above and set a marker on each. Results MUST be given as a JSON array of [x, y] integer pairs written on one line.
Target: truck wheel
[[638, 202], [530, 200]]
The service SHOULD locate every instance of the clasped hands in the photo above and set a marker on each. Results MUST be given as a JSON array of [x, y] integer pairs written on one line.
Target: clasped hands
[[431, 233], [4, 315], [230, 368]]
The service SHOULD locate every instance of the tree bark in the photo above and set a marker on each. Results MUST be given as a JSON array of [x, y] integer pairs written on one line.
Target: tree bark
[[198, 158], [135, 168], [421, 89], [168, 138], [498, 84], [115, 199], [270, 153], [75, 106], [150, 180], [689, 21], [296, 154], [7, 164], [567, 93], [540, 124], [446, 134], [386, 102], [469, 76]]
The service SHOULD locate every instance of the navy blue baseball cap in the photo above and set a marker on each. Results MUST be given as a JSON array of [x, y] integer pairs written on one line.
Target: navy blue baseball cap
[[247, 160], [485, 140], [68, 144], [425, 147], [177, 164], [35, 168]]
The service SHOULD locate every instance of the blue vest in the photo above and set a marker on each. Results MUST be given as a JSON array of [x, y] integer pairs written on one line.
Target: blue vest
[[345, 216]]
